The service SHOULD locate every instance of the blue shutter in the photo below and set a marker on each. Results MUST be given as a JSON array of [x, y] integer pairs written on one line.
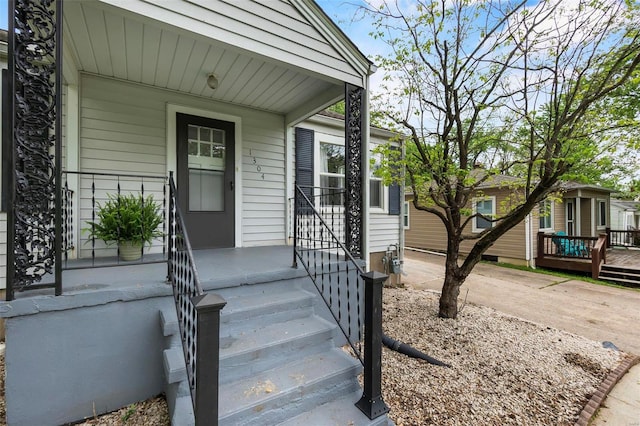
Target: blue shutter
[[304, 160], [395, 197]]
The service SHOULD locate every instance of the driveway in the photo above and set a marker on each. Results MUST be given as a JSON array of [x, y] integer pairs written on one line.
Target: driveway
[[597, 312]]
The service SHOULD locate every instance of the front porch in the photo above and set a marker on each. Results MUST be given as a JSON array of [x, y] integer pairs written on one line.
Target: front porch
[[217, 268], [107, 320]]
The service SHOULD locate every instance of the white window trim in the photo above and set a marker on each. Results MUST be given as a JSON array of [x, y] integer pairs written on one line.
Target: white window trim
[[474, 202], [406, 209], [598, 225], [385, 193], [551, 214], [321, 138]]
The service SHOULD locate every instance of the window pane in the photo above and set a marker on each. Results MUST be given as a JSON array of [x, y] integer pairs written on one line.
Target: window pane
[[331, 182], [484, 207], [375, 193], [205, 149], [193, 132], [376, 164], [193, 148], [206, 190], [218, 151], [331, 158], [218, 136], [602, 215], [205, 134], [406, 214], [544, 210]]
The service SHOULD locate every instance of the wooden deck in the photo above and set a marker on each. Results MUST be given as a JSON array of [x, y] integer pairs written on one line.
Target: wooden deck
[[625, 257]]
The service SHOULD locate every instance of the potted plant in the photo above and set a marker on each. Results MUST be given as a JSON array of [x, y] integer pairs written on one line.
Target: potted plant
[[129, 220]]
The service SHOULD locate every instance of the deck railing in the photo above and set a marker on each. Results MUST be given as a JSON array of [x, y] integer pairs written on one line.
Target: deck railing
[[353, 297], [560, 245], [94, 190], [581, 254], [198, 318], [622, 238]]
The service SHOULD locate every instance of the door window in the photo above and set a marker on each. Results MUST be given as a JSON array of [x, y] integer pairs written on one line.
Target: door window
[[206, 162]]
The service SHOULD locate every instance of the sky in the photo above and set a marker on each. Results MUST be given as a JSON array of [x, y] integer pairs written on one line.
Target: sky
[[3, 14]]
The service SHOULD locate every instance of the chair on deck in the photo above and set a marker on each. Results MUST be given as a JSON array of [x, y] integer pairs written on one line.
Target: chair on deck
[[567, 247]]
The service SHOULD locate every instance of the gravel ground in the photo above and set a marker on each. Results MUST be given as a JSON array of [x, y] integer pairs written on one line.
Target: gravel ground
[[505, 371]]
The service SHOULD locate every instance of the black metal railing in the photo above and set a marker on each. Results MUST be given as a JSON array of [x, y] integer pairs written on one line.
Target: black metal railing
[[623, 238], [332, 268], [353, 298], [329, 203], [198, 317], [68, 243], [96, 189]]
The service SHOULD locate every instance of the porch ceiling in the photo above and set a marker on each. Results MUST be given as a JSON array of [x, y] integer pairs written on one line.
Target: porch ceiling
[[112, 42]]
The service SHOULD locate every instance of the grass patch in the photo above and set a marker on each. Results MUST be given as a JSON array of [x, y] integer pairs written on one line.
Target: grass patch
[[560, 274]]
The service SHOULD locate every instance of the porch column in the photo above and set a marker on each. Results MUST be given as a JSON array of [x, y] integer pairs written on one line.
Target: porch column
[[354, 169], [34, 102]]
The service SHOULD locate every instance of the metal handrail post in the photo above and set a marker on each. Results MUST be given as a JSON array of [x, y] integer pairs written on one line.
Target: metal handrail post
[[371, 403], [295, 225], [208, 307]]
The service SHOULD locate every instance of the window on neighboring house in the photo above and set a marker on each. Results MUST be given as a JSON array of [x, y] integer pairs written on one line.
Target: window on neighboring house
[[405, 215], [602, 214], [376, 189], [487, 207], [331, 170], [545, 210]]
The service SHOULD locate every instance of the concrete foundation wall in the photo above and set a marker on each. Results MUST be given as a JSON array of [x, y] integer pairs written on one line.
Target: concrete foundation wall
[[93, 356]]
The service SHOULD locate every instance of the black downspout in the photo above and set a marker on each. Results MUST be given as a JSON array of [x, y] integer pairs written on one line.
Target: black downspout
[[405, 349]]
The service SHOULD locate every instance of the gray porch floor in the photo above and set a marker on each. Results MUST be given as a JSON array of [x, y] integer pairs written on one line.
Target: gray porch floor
[[217, 268]]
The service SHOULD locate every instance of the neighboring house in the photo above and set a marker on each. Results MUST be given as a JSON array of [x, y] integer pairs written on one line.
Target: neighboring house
[[224, 95], [581, 211], [625, 214]]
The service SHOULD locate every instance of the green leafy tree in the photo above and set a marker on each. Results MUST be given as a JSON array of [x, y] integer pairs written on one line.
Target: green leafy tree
[[514, 86]]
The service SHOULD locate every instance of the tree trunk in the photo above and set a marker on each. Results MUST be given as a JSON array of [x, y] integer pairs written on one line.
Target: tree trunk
[[450, 292]]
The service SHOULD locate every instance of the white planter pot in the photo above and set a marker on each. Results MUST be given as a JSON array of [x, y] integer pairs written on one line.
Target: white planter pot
[[130, 250]]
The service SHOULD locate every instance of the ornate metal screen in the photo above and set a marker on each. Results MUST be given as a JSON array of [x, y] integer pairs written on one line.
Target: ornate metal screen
[[34, 216], [354, 100]]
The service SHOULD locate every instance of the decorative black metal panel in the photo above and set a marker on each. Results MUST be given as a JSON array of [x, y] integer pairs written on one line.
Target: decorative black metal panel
[[35, 76], [354, 206]]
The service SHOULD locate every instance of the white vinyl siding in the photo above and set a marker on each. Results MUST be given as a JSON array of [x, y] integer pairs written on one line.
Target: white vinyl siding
[[123, 129], [384, 229]]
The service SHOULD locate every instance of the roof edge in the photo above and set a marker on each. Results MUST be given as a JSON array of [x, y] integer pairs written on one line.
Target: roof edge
[[335, 36]]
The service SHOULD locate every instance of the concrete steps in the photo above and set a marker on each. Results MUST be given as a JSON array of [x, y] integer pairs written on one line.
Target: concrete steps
[[627, 277], [278, 361]]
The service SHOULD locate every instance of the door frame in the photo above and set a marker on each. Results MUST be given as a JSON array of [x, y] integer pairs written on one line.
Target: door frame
[[570, 205], [172, 155]]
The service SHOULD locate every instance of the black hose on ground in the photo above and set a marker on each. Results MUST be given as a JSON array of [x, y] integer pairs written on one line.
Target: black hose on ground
[[405, 349]]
